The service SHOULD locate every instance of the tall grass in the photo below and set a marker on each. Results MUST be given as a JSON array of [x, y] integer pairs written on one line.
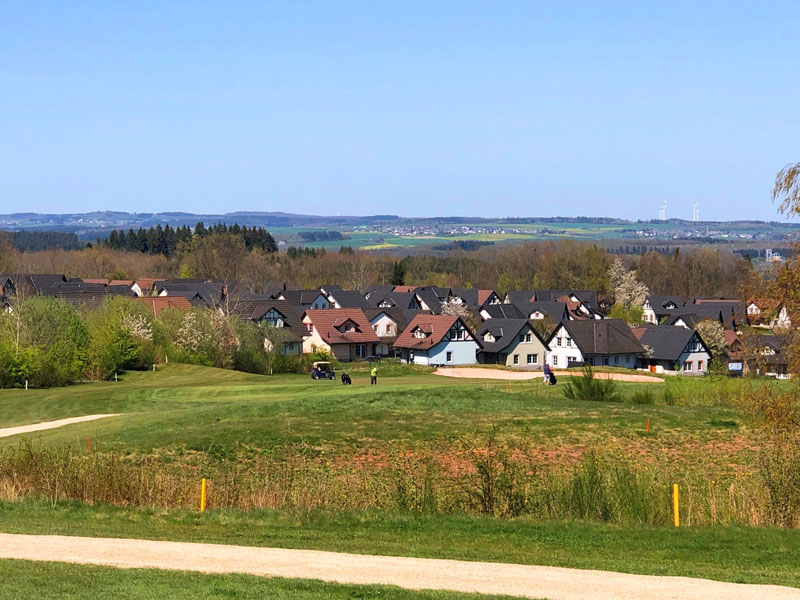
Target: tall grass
[[587, 387], [494, 480]]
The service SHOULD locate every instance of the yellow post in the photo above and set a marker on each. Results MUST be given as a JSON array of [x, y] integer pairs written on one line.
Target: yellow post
[[675, 512], [203, 495]]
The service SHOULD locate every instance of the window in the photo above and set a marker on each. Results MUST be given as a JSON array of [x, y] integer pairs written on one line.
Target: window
[[555, 360], [533, 359], [591, 360], [273, 318], [616, 359], [528, 338], [521, 337], [605, 361], [389, 329], [687, 366], [569, 342], [699, 365], [516, 359], [375, 327], [310, 328], [558, 342], [449, 357]]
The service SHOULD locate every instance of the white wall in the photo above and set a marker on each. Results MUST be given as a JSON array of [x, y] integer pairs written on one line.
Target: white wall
[[559, 355], [386, 326], [463, 353]]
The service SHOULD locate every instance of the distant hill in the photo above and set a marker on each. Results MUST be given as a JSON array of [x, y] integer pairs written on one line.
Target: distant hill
[[97, 224]]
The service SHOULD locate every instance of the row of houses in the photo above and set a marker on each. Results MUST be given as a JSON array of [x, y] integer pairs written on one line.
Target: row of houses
[[451, 326]]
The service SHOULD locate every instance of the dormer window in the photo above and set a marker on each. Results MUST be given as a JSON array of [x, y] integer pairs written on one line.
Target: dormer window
[[418, 333], [274, 318]]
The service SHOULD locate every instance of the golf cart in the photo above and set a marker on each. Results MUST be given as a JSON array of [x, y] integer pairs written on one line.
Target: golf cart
[[322, 370]]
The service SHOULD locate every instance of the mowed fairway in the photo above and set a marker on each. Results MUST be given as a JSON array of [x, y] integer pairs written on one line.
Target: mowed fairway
[[197, 408], [215, 420]]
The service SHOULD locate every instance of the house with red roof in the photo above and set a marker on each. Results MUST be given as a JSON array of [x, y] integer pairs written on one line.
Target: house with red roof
[[344, 332], [158, 304], [438, 340]]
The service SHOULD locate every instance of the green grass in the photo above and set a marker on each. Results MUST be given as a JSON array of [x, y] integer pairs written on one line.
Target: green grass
[[218, 413], [187, 407], [748, 555], [59, 581]]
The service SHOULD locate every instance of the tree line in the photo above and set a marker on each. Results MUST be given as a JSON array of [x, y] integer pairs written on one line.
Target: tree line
[[563, 264], [46, 342], [167, 240], [33, 241]]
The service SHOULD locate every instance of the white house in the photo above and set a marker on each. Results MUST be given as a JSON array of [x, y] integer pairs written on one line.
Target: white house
[[604, 342]]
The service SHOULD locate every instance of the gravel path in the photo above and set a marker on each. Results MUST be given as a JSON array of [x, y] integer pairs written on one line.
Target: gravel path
[[479, 373], [553, 583], [51, 424]]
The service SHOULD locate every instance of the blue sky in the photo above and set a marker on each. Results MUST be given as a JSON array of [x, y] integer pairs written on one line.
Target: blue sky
[[412, 108]]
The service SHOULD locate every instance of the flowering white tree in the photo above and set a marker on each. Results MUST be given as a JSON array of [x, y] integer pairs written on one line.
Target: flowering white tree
[[629, 292], [138, 326]]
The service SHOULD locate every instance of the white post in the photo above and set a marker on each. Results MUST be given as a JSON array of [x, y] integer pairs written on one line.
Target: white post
[[26, 384], [154, 367], [115, 377]]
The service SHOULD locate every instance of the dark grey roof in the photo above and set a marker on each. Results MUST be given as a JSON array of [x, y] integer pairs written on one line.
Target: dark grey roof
[[601, 336], [503, 311], [301, 297], [379, 290], [468, 295], [556, 311], [45, 280], [254, 310], [504, 332], [730, 314], [199, 294], [430, 296], [514, 296], [348, 299], [400, 299], [659, 303], [666, 342], [769, 341]]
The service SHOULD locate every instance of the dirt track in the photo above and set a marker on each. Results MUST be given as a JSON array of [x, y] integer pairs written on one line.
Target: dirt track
[[8, 431], [553, 583], [500, 374]]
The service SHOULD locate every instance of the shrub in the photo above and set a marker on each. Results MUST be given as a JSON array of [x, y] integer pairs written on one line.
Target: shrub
[[587, 387]]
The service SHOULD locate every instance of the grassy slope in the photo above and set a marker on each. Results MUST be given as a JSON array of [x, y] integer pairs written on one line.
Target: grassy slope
[[752, 555], [58, 581], [194, 408]]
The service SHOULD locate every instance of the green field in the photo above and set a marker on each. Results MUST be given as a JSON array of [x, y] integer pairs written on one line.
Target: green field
[[543, 231], [397, 469], [58, 581]]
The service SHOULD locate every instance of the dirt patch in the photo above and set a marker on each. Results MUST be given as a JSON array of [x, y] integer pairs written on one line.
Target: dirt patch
[[500, 374], [9, 431], [554, 583]]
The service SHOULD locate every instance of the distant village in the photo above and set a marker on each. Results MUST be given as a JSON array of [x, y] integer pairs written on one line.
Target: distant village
[[444, 326]]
